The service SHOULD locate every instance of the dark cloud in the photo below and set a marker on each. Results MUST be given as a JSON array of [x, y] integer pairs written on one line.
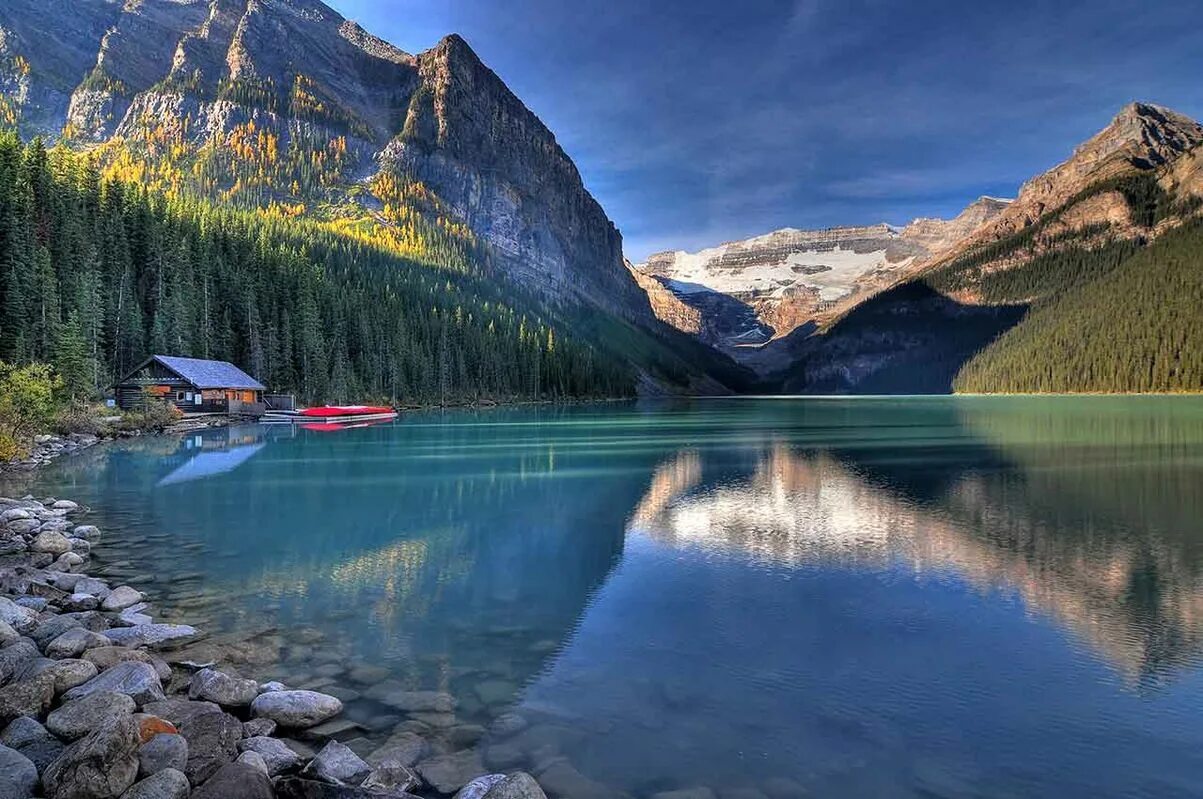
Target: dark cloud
[[695, 121]]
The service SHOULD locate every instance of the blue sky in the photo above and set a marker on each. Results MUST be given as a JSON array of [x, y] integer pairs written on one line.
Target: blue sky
[[696, 122]]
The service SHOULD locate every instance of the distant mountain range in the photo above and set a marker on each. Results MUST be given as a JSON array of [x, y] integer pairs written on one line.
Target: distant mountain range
[[785, 279], [948, 305], [286, 109]]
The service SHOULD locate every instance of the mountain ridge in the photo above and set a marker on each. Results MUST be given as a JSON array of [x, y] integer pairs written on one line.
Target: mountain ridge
[[166, 79]]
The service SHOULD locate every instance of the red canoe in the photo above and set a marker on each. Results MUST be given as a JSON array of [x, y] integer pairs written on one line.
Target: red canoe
[[347, 411]]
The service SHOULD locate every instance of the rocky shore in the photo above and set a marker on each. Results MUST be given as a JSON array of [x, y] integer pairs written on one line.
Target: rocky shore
[[97, 701], [48, 447]]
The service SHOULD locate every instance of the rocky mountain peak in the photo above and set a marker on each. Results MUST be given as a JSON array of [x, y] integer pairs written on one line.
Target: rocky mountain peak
[[1141, 137], [317, 109]]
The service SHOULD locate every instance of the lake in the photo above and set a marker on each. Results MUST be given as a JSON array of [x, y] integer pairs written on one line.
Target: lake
[[896, 597]]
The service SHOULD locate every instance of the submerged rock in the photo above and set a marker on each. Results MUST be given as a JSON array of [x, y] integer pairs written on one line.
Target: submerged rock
[[392, 780], [403, 749], [336, 763], [448, 773]]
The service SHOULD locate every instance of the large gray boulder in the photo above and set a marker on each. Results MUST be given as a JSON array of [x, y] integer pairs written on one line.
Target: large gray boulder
[[516, 786], [31, 697], [179, 711], [167, 784], [14, 658], [139, 680], [74, 642], [296, 709], [236, 781], [212, 743], [149, 634], [477, 788], [337, 764], [51, 542], [279, 757], [46, 631], [18, 774], [70, 673], [107, 656], [77, 718], [33, 741], [226, 690], [161, 752], [20, 619], [121, 598], [300, 788], [102, 765]]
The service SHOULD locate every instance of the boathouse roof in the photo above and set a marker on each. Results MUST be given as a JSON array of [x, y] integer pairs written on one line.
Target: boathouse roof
[[205, 374]]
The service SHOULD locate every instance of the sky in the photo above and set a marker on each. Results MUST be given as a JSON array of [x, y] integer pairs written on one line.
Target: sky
[[695, 122]]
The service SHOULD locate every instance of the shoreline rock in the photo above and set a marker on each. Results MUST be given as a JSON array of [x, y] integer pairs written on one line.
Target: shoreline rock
[[89, 709]]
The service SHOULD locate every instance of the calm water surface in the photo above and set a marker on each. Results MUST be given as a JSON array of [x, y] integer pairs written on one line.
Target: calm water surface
[[769, 598]]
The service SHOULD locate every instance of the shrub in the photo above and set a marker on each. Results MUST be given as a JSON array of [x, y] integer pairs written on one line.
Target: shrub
[[26, 406], [84, 418]]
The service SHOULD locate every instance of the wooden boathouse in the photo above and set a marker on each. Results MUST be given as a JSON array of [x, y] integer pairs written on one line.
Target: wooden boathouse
[[193, 385]]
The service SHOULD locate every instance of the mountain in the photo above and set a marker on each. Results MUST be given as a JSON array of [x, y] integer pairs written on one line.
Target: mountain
[[1078, 285], [288, 110], [752, 291]]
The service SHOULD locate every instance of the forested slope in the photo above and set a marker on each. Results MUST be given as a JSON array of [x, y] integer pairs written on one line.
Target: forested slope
[[96, 273], [1137, 328], [1099, 294]]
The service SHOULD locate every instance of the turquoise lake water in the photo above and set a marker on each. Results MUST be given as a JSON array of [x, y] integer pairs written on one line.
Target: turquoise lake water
[[914, 597]]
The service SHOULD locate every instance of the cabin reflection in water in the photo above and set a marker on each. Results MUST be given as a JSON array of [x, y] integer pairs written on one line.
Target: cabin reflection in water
[[219, 451]]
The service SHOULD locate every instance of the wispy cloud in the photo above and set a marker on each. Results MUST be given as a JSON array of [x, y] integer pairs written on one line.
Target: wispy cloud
[[706, 118]]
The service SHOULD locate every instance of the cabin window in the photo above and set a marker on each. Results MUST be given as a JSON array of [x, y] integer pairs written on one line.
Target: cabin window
[[179, 396]]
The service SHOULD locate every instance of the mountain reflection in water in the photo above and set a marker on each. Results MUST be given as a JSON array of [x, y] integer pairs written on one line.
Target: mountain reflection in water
[[887, 597]]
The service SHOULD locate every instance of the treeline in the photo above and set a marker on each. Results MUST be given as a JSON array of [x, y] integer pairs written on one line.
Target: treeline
[[95, 274], [1136, 328]]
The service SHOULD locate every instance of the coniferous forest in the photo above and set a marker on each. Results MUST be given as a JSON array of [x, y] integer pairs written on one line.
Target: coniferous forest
[[1136, 328], [96, 273]]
